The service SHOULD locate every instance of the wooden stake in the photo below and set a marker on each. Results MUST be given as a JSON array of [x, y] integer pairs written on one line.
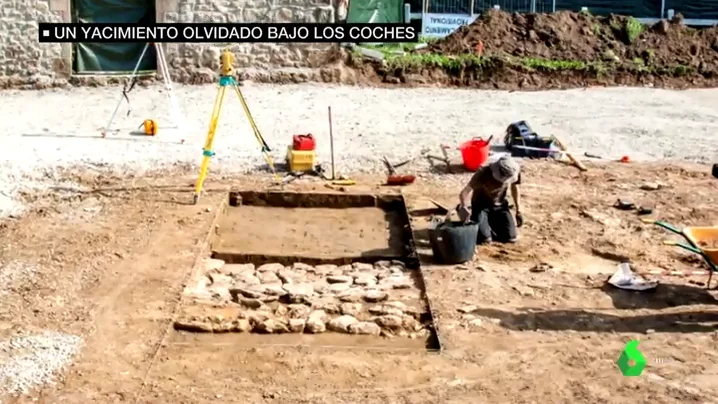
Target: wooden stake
[[331, 141], [568, 154]]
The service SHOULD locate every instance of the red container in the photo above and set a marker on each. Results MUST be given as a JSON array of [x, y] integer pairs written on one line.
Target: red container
[[303, 142], [474, 153]]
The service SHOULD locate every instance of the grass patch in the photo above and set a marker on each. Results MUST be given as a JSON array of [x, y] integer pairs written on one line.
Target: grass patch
[[633, 29], [457, 63], [551, 65], [451, 63], [596, 28]]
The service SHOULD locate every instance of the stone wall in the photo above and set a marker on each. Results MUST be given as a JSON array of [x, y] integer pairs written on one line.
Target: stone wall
[[26, 61], [199, 62], [22, 58]]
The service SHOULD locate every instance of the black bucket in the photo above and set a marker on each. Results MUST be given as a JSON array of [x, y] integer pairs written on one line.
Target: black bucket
[[453, 242]]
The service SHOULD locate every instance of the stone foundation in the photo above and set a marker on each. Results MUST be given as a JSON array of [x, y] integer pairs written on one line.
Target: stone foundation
[[354, 299]]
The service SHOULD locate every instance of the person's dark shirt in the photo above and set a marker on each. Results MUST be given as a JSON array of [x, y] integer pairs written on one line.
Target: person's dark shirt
[[489, 191]]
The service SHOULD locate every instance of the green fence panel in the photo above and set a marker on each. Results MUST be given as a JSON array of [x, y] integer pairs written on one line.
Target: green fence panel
[[375, 11], [112, 57]]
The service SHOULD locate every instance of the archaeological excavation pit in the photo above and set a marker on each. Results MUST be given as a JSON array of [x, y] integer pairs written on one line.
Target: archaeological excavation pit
[[316, 269]]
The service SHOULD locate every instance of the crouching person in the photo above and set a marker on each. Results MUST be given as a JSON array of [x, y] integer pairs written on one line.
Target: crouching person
[[484, 201]]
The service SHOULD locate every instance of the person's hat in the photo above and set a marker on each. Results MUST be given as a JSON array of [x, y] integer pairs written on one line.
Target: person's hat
[[505, 169]]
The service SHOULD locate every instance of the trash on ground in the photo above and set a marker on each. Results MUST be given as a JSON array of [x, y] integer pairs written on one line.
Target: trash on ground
[[626, 279]]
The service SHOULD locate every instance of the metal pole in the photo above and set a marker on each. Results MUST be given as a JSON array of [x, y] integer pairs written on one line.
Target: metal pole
[[553, 6], [119, 102], [663, 9], [424, 6], [533, 6], [331, 141], [407, 13], [174, 104]]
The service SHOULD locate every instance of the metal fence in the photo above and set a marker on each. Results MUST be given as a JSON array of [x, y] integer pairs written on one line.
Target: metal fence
[[695, 12], [469, 7]]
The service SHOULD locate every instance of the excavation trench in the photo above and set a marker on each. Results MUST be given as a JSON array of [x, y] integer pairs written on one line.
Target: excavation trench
[[323, 269]]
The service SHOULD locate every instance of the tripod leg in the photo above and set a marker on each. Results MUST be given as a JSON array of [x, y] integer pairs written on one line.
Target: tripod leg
[[255, 129], [207, 152], [119, 102], [174, 104]]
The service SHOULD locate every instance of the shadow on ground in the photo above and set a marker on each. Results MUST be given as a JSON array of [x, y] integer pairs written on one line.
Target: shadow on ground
[[663, 297], [582, 320]]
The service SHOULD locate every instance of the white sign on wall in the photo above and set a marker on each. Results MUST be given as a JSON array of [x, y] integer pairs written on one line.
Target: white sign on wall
[[441, 25]]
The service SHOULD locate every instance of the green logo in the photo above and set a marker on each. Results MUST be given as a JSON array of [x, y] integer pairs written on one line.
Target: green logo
[[631, 362]]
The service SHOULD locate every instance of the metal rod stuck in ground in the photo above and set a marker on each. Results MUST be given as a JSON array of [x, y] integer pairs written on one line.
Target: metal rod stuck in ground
[[331, 141]]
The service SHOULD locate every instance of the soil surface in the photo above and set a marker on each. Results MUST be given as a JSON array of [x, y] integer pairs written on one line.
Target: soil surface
[[573, 36], [527, 322], [563, 50], [303, 232]]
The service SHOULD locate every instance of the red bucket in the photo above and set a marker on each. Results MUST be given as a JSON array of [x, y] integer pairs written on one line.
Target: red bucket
[[474, 153]]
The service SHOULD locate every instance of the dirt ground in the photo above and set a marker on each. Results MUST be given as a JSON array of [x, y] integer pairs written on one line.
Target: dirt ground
[[112, 263], [303, 232]]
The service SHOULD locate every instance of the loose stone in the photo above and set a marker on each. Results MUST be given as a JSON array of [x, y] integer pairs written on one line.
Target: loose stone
[[274, 290], [316, 322], [297, 311], [351, 309], [269, 277], [364, 328], [236, 270], [271, 326], [251, 292], [362, 266], [390, 322], [385, 310], [299, 291], [249, 303], [324, 269], [340, 279], [300, 266], [374, 296], [273, 267], [297, 325], [339, 287], [341, 324], [365, 280]]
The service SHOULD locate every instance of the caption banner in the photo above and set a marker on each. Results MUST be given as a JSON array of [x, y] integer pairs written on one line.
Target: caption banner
[[68, 33]]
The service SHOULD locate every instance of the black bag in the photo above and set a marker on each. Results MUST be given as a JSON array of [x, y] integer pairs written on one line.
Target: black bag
[[520, 134]]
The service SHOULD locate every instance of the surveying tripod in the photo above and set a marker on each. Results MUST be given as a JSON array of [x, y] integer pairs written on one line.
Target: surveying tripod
[[226, 79], [169, 90]]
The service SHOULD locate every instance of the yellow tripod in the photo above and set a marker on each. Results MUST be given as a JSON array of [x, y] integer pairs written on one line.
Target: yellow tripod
[[225, 80]]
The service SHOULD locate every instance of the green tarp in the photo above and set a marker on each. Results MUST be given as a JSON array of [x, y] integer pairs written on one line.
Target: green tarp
[[112, 57], [375, 11]]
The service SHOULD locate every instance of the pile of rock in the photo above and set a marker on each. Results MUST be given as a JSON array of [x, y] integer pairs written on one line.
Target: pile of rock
[[355, 299]]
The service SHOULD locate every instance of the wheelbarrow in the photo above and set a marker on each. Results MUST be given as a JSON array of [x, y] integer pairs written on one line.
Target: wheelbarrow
[[700, 240]]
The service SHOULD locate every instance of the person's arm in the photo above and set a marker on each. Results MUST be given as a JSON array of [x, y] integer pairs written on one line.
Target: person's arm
[[516, 194], [465, 195]]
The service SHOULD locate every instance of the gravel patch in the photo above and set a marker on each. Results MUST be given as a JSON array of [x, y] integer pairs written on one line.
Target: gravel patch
[[14, 274], [31, 361], [50, 129]]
